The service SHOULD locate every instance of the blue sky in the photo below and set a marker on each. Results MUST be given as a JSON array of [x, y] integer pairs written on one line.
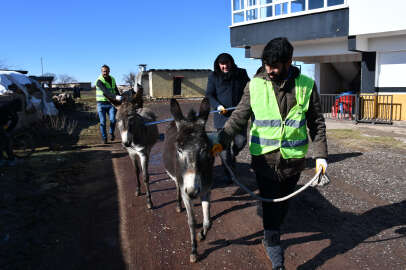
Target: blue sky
[[77, 37]]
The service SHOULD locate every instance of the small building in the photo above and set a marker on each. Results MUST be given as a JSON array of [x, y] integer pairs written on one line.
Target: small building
[[355, 45], [178, 83]]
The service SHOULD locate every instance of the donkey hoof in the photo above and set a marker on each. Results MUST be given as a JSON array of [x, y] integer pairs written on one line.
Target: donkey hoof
[[149, 205], [178, 209], [201, 236], [193, 258]]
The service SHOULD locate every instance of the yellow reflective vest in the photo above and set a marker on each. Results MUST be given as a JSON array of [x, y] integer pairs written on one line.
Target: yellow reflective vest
[[99, 92], [268, 131]]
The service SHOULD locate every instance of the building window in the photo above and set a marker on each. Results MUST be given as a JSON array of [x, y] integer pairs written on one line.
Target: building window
[[266, 12], [238, 17], [334, 2], [238, 4], [252, 3], [298, 5], [252, 14], [281, 9], [264, 2], [313, 4]]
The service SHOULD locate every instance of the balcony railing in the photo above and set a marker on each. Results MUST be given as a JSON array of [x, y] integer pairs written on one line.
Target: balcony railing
[[252, 11]]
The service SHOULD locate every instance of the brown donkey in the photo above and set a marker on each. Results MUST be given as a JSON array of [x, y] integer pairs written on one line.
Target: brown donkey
[[137, 138]]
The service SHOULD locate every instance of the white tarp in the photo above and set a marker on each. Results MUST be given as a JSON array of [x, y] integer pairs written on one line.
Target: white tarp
[[41, 105], [4, 83]]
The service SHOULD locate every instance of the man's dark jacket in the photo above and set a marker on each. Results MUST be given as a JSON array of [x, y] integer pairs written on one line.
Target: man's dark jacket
[[227, 90], [285, 92]]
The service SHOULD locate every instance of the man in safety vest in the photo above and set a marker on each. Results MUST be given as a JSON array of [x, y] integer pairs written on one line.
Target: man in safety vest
[[106, 87], [282, 104]]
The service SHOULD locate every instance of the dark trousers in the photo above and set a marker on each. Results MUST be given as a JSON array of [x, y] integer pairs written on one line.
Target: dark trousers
[[273, 184]]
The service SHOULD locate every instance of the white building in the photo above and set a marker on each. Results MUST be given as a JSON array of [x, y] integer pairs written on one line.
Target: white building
[[356, 45]]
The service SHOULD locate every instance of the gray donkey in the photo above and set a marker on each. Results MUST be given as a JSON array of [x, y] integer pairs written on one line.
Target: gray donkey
[[188, 160], [137, 138]]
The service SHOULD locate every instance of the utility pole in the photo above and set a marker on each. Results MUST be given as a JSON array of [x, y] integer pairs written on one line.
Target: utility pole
[[42, 68]]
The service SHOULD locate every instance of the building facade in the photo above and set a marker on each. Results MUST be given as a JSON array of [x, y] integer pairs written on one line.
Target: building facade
[[178, 83], [355, 45]]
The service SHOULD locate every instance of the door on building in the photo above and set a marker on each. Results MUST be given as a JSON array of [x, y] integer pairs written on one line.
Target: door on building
[[177, 85]]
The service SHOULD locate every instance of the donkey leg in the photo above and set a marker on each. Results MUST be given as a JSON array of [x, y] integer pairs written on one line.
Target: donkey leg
[[178, 198], [144, 165], [137, 173], [192, 226], [178, 194], [206, 217]]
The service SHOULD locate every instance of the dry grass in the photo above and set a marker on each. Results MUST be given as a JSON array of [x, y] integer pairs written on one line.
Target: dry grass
[[357, 140]]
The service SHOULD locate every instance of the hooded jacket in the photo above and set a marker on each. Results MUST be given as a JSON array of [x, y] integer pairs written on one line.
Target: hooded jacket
[[227, 90]]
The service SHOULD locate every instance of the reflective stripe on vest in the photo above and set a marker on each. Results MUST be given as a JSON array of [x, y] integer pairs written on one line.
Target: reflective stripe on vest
[[99, 92], [268, 131]]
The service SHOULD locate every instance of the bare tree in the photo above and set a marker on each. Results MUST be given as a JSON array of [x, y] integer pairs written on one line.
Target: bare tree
[[63, 78], [129, 79]]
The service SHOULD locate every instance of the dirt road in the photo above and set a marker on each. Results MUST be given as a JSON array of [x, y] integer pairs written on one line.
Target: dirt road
[[75, 208], [341, 226]]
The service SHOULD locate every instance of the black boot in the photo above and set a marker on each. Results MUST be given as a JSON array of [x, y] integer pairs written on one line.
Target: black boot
[[273, 248]]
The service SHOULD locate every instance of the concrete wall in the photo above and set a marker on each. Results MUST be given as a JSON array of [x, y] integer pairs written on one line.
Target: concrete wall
[[376, 16], [194, 83], [391, 69]]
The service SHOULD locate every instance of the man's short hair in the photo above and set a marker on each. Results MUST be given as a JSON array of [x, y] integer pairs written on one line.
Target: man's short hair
[[278, 50], [106, 66]]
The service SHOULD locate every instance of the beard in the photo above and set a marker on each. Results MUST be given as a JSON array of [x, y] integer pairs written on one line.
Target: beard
[[281, 76]]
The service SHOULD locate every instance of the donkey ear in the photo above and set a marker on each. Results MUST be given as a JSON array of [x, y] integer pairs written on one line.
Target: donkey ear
[[137, 99], [176, 112], [204, 109], [140, 90]]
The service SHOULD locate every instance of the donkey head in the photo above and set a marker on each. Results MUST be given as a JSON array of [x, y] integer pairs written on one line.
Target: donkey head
[[194, 160], [127, 117]]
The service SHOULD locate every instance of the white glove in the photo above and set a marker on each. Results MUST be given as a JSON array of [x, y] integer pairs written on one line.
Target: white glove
[[221, 109], [321, 162], [119, 98]]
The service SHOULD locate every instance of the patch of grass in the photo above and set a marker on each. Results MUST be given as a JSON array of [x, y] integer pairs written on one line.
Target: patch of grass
[[357, 140]]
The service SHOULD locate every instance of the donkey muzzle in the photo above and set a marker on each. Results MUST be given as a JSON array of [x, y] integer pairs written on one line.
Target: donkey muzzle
[[191, 184]]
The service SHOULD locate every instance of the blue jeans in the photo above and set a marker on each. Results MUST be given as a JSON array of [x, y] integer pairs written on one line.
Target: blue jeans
[[102, 109]]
